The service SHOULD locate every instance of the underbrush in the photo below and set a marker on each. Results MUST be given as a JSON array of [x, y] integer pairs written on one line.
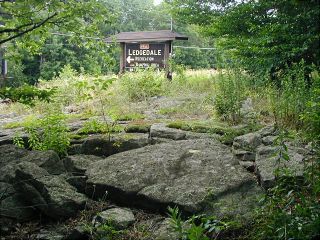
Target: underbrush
[[291, 208]]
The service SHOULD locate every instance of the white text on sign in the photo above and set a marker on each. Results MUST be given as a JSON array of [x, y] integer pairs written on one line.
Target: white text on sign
[[144, 52]]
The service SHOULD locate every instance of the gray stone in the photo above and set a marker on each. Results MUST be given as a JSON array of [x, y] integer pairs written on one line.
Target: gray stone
[[269, 140], [50, 194], [194, 135], [101, 145], [7, 135], [48, 235], [75, 149], [11, 155], [12, 204], [247, 165], [243, 155], [165, 231], [268, 131], [181, 173], [154, 141], [266, 164], [159, 130], [78, 233], [48, 160], [119, 218], [79, 182], [247, 142], [78, 164]]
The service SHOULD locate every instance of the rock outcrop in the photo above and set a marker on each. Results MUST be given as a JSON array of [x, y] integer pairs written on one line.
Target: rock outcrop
[[192, 174]]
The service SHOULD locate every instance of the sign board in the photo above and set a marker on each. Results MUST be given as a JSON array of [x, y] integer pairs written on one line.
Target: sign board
[[144, 55]]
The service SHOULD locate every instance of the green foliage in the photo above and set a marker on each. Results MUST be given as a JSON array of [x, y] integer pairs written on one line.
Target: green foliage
[[93, 126], [199, 227], [29, 23], [138, 128], [96, 126], [289, 99], [48, 133], [291, 208], [117, 115], [194, 58], [176, 220], [26, 94], [143, 84], [311, 115], [263, 36], [105, 231], [231, 90]]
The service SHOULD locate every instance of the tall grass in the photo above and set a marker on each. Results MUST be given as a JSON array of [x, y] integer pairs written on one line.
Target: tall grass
[[289, 97], [231, 89], [142, 85]]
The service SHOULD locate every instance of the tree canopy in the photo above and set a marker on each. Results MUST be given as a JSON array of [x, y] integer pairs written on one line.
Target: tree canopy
[[31, 22], [261, 35]]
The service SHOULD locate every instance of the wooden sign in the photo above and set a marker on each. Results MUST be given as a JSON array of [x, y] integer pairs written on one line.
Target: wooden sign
[[144, 55]]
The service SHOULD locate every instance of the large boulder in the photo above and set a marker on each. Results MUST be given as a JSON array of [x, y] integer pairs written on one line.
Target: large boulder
[[193, 174], [50, 194], [102, 145], [267, 163]]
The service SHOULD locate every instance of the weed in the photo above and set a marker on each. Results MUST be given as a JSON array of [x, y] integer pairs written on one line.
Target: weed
[[93, 126], [198, 227]]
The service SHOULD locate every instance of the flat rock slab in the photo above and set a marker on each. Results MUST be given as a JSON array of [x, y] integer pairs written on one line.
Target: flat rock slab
[[186, 173]]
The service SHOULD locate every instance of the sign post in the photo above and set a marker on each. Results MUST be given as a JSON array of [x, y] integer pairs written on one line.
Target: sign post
[[145, 49]]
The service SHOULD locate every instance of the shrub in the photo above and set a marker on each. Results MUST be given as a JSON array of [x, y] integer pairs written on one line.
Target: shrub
[[198, 227], [142, 85], [26, 94], [49, 133], [230, 92]]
